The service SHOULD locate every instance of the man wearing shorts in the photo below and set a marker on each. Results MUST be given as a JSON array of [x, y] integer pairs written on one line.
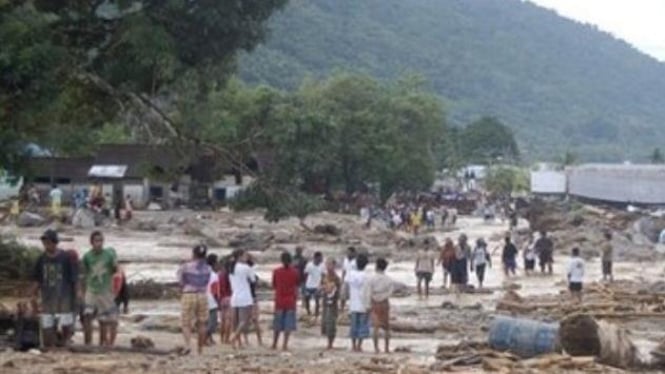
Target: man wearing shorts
[[285, 283], [313, 275], [358, 308], [194, 277], [55, 278], [99, 265], [575, 275]]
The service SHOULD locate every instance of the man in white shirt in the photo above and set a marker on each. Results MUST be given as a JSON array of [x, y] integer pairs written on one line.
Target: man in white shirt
[[575, 275], [348, 265], [242, 301], [56, 199], [355, 281], [378, 290], [313, 274]]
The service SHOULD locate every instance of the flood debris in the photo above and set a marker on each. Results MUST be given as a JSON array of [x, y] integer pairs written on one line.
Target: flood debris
[[582, 335]]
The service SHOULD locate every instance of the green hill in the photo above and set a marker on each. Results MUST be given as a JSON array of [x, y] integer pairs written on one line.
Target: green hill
[[559, 84]]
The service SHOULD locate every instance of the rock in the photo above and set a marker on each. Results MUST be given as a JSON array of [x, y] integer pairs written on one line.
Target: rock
[[84, 219], [28, 219], [252, 241], [449, 306], [651, 227], [162, 323], [328, 229], [283, 236], [143, 224], [154, 206], [142, 342], [400, 289], [476, 306], [178, 220], [403, 349]]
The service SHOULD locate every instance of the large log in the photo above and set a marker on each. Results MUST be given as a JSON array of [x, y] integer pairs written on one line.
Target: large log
[[102, 350], [582, 335]]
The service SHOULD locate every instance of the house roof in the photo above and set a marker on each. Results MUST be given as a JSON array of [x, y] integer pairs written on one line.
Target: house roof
[[75, 168], [141, 160]]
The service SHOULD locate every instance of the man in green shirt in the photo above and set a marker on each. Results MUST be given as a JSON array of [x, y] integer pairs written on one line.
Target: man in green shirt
[[99, 264]]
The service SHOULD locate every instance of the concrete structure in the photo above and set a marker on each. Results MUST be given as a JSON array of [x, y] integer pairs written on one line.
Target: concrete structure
[[618, 183], [549, 182]]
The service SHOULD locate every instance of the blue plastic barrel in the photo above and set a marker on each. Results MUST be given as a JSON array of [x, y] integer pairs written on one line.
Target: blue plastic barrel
[[524, 337]]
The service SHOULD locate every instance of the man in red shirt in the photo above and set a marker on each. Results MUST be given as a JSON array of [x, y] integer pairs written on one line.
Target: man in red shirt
[[285, 283]]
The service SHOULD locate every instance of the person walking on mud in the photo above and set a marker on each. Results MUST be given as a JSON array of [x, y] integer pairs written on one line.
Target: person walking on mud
[[424, 268], [575, 275], [480, 260], [447, 260], [607, 256], [509, 257], [544, 249], [193, 277], [379, 289], [460, 271]]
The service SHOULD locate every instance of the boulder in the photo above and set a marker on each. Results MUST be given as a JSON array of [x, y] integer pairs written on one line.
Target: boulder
[[651, 227], [283, 236], [28, 219], [328, 229], [252, 241], [143, 224], [161, 323], [400, 289]]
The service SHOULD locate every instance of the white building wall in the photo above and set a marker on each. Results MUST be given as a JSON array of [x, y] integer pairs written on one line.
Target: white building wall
[[643, 184], [548, 182]]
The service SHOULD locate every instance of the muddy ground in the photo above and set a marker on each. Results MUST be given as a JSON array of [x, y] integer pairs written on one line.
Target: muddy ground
[[157, 241]]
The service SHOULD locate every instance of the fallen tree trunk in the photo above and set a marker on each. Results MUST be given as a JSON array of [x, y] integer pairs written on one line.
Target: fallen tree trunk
[[85, 349], [582, 335]]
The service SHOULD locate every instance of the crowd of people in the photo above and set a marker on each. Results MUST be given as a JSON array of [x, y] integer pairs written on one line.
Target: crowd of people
[[219, 296], [223, 293]]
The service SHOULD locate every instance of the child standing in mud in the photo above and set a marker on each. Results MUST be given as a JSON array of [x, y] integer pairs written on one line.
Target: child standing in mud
[[330, 286]]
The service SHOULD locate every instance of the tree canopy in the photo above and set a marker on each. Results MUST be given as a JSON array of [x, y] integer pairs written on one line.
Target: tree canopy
[[71, 67], [558, 84]]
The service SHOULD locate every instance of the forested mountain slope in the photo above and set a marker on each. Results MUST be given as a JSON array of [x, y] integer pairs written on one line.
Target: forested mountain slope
[[559, 84]]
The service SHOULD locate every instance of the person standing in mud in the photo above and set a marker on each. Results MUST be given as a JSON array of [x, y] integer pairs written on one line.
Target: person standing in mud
[[460, 274], [378, 290], [607, 255], [529, 252], [313, 273], [241, 276], [348, 265], [212, 295], [300, 262], [480, 260], [544, 249], [55, 279], [447, 260], [193, 277], [225, 310], [254, 322], [99, 265], [330, 287], [509, 257], [358, 308], [424, 268], [575, 275], [285, 284], [120, 289]]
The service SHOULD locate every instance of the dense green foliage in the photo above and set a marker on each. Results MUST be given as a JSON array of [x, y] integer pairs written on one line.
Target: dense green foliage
[[345, 132], [558, 84], [69, 68], [502, 181]]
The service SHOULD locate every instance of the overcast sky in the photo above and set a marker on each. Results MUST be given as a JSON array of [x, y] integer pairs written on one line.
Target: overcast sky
[[639, 22]]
